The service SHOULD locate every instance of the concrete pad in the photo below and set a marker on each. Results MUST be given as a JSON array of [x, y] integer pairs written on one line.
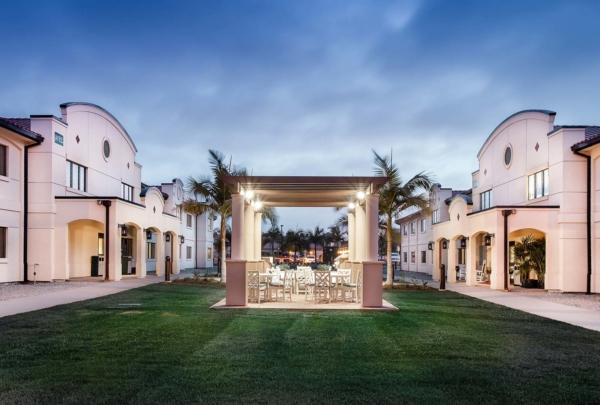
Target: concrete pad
[[306, 306], [583, 317], [50, 299]]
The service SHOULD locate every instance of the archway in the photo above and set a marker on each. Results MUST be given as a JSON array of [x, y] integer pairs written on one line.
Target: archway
[[131, 252], [154, 247], [537, 241], [457, 250], [482, 255], [86, 249]]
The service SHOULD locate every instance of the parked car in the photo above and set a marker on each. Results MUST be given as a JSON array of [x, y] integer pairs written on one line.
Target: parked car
[[395, 257]]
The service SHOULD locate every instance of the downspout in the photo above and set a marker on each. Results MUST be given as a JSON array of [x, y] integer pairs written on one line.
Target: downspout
[[506, 214], [26, 209], [107, 204], [588, 220], [196, 243]]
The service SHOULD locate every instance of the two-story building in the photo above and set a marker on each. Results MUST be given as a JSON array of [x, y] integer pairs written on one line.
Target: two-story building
[[416, 242], [534, 178], [72, 202]]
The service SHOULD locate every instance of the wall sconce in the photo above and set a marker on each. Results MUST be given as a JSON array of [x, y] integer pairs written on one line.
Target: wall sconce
[[445, 244], [181, 239], [488, 239], [148, 234], [168, 237], [124, 230], [430, 246], [351, 206], [463, 243], [360, 195]]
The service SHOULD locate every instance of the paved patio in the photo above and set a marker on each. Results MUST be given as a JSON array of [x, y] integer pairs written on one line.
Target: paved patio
[[32, 297], [533, 303], [298, 302]]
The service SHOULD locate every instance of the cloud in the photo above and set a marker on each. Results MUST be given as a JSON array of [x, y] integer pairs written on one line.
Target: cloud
[[304, 87]]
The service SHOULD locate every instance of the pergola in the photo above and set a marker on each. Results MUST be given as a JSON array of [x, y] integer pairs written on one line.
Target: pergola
[[359, 195]]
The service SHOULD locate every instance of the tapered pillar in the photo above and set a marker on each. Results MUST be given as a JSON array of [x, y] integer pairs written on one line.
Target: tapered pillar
[[237, 227], [258, 236], [351, 236], [249, 237]]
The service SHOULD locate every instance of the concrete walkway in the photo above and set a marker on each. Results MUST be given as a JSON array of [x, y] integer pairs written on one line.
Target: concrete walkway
[[50, 299], [583, 317]]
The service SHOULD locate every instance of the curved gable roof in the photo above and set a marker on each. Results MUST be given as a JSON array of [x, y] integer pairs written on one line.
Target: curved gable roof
[[121, 127], [504, 121]]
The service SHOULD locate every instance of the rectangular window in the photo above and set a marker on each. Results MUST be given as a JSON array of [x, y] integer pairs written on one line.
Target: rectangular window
[[126, 192], [423, 256], [100, 244], [188, 220], [404, 230], [76, 176], [59, 139], [485, 200], [422, 224], [209, 253], [538, 184], [151, 250], [188, 252], [412, 227], [435, 216], [404, 257], [3, 160], [2, 242], [413, 257]]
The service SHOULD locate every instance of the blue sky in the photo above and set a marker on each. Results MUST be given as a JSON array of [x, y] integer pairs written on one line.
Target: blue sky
[[304, 87]]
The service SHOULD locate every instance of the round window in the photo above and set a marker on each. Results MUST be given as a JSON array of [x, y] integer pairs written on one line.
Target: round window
[[106, 149], [507, 156]]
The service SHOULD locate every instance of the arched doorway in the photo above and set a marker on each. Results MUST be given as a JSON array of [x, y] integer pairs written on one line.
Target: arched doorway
[[458, 249], [527, 244], [483, 257], [154, 255], [130, 252], [442, 251], [86, 249]]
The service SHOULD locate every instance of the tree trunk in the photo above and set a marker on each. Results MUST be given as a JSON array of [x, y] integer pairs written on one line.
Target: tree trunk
[[388, 258], [223, 249]]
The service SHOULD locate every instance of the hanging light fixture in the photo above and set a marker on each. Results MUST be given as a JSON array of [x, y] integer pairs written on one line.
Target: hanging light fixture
[[181, 239], [124, 230], [360, 195], [168, 237], [148, 234], [445, 244], [351, 205]]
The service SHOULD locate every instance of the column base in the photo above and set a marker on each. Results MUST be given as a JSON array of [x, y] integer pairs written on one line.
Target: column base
[[372, 288], [236, 293]]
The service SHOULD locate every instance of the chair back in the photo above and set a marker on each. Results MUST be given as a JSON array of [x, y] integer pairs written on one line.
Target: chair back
[[288, 279], [322, 278], [253, 279]]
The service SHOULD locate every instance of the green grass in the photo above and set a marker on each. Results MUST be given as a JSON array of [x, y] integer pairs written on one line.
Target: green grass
[[440, 347]]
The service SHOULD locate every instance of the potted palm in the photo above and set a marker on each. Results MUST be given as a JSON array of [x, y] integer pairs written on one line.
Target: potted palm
[[530, 257]]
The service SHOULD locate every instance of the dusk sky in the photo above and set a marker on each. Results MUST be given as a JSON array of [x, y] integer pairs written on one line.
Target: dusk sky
[[304, 87]]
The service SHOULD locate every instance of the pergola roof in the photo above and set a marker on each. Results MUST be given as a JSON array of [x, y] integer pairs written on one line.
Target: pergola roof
[[305, 191]]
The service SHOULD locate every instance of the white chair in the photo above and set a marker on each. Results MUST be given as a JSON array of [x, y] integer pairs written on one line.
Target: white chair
[[322, 286], [285, 286], [255, 287], [354, 286], [339, 287]]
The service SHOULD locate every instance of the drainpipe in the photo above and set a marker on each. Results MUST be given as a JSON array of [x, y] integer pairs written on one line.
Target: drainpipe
[[107, 204], [588, 220], [506, 214]]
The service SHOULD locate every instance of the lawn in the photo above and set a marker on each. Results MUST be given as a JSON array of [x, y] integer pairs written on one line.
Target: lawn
[[440, 347]]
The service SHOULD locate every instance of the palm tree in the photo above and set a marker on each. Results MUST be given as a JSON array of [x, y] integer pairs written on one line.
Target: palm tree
[[272, 236], [530, 255], [316, 238], [396, 196]]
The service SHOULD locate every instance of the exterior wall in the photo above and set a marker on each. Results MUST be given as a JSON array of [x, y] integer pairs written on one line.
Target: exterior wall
[[54, 225], [11, 206], [595, 155], [205, 244], [560, 215], [416, 243]]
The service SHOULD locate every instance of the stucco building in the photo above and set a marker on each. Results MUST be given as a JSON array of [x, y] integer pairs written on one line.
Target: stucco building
[[73, 203], [534, 178]]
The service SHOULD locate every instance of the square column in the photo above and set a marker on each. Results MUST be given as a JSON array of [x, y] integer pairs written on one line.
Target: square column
[[359, 233], [351, 236], [258, 235], [249, 250], [237, 227], [372, 228]]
